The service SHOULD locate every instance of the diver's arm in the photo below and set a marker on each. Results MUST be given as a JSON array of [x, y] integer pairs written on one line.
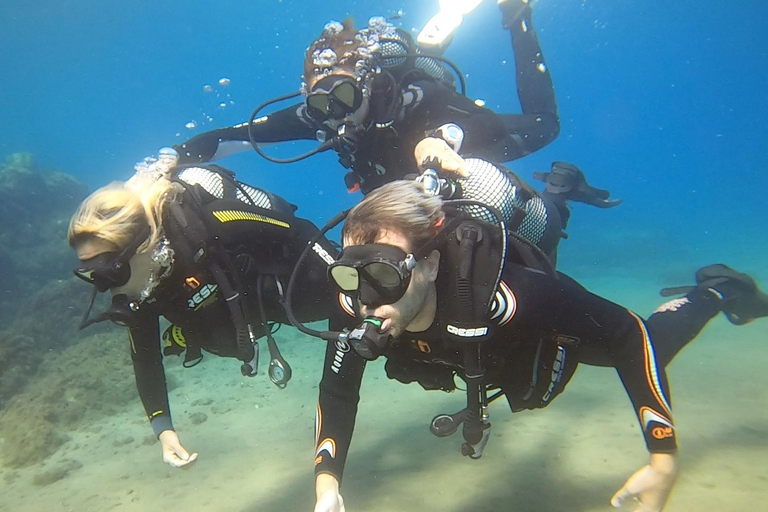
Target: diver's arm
[[283, 125], [153, 391], [150, 375], [611, 336], [646, 384], [337, 408], [605, 334]]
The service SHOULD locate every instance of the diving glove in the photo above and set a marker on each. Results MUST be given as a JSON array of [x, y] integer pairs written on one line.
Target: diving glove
[[567, 179]]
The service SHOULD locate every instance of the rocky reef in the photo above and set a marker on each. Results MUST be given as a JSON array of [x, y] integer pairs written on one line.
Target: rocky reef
[[73, 386], [51, 377], [39, 299], [35, 207]]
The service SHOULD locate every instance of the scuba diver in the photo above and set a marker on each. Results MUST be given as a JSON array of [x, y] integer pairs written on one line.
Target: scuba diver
[[209, 253], [431, 289], [379, 100]]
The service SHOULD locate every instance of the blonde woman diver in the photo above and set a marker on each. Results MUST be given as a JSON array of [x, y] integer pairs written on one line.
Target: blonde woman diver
[[194, 245]]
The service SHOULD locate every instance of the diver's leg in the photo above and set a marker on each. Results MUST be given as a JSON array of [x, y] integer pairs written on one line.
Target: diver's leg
[[557, 215], [539, 125], [719, 288], [534, 83], [563, 183], [566, 182]]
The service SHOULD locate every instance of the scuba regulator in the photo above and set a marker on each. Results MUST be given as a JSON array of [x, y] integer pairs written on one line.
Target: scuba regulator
[[367, 339], [369, 342]]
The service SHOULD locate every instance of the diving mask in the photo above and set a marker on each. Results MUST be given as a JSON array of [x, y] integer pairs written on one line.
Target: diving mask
[[374, 274], [130, 287], [110, 269], [334, 98]]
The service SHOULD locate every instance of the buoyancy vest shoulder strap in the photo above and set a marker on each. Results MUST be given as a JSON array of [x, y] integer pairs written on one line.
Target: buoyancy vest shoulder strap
[[472, 256], [215, 182]]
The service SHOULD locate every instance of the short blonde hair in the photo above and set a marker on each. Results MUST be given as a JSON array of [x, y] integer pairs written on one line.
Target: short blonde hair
[[116, 213], [400, 206]]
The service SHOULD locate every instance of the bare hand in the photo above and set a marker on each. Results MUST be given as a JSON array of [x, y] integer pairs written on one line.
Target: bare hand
[[173, 452], [327, 492], [650, 485], [434, 148]]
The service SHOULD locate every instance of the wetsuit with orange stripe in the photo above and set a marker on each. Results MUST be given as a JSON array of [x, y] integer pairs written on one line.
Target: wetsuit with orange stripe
[[544, 328]]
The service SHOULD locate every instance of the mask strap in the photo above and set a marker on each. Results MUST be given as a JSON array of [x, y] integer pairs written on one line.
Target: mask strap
[[384, 99], [130, 250], [445, 229]]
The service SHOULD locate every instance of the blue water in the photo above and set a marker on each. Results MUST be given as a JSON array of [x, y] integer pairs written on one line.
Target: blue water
[[664, 103]]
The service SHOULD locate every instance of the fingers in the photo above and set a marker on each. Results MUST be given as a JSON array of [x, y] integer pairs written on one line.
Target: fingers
[[186, 464], [180, 461], [633, 487], [451, 162], [330, 502], [433, 148], [620, 497], [173, 452], [648, 487]]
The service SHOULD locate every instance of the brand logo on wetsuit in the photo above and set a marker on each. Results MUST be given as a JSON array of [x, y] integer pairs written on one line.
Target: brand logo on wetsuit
[[342, 348], [662, 432], [327, 258], [199, 297], [467, 333], [557, 372]]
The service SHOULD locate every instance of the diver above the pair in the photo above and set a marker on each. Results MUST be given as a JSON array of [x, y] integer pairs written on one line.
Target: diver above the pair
[[372, 97], [434, 293], [210, 254]]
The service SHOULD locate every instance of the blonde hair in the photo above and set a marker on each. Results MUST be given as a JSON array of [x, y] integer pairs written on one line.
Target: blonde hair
[[116, 213], [400, 206]]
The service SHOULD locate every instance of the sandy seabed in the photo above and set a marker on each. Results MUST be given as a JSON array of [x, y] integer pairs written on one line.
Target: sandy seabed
[[256, 442]]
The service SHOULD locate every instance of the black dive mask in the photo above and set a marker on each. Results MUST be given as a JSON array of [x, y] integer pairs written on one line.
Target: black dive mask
[[374, 274], [334, 97], [110, 269], [105, 271]]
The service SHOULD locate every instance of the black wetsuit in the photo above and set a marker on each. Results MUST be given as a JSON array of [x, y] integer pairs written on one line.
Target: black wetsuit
[[546, 328], [387, 154], [191, 298]]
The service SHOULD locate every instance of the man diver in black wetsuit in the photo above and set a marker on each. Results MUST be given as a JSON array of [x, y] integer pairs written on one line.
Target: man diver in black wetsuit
[[210, 254], [372, 97], [436, 295]]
